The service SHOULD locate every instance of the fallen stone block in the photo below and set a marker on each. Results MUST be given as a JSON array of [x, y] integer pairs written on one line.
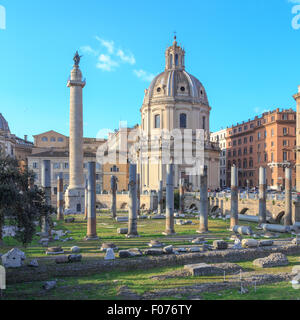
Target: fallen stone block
[[122, 219], [69, 220], [62, 259], [122, 231], [125, 254], [75, 258], [266, 243], [155, 244], [276, 228], [199, 240], [273, 260], [153, 252], [106, 246], [75, 249], [204, 269], [13, 258], [49, 285], [220, 245], [250, 243], [135, 252], [110, 255], [296, 241], [168, 249], [54, 251], [33, 263], [243, 230]]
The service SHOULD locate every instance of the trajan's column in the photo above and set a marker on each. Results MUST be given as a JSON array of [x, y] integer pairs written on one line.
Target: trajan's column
[[74, 196]]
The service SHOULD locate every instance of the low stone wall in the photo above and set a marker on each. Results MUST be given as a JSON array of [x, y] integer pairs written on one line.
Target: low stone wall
[[148, 202], [91, 266]]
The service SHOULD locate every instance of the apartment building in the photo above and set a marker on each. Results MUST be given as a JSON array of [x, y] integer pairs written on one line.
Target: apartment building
[[268, 140]]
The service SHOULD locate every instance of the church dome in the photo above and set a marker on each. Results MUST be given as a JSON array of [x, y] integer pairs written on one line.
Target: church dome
[[3, 124], [175, 82]]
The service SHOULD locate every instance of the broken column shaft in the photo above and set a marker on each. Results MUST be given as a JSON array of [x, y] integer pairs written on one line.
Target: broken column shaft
[[132, 220], [160, 198], [262, 195], [60, 197], [234, 212], [113, 185], [46, 185], [138, 177], [86, 200], [181, 196], [288, 197], [203, 202], [91, 214], [170, 201]]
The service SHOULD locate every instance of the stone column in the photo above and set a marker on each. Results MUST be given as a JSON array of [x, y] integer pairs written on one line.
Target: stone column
[[113, 186], [296, 217], [160, 197], [46, 185], [60, 197], [75, 192], [288, 197], [170, 201], [181, 196], [203, 202], [234, 212], [262, 195], [132, 221], [86, 200], [91, 218], [138, 177], [297, 98]]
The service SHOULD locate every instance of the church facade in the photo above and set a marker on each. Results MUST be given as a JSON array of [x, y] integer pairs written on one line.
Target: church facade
[[176, 103]]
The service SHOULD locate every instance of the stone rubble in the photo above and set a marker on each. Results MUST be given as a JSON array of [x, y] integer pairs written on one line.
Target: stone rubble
[[273, 260]]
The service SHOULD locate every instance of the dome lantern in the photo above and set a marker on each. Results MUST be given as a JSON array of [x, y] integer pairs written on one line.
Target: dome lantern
[[175, 57]]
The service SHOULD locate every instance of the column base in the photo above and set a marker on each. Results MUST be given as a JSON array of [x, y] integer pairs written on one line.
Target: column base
[[91, 238], [169, 233], [202, 231], [129, 236]]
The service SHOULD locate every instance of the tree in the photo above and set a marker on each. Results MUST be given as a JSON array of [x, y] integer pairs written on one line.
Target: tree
[[21, 203]]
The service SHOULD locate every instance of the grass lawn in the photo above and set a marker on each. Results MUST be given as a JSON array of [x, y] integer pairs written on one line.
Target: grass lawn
[[107, 284]]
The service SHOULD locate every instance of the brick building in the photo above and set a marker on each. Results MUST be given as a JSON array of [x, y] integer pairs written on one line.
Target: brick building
[[268, 140]]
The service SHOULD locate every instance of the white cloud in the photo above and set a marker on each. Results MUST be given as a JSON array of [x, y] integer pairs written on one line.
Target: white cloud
[[105, 63], [112, 58], [109, 45], [144, 75], [88, 50], [126, 58], [260, 111], [294, 1]]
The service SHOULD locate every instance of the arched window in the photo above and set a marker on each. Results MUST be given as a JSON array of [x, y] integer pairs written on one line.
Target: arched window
[[176, 60], [171, 60], [183, 121], [203, 123], [157, 121]]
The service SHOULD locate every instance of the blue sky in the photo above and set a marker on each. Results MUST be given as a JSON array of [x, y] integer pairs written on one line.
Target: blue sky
[[246, 54]]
